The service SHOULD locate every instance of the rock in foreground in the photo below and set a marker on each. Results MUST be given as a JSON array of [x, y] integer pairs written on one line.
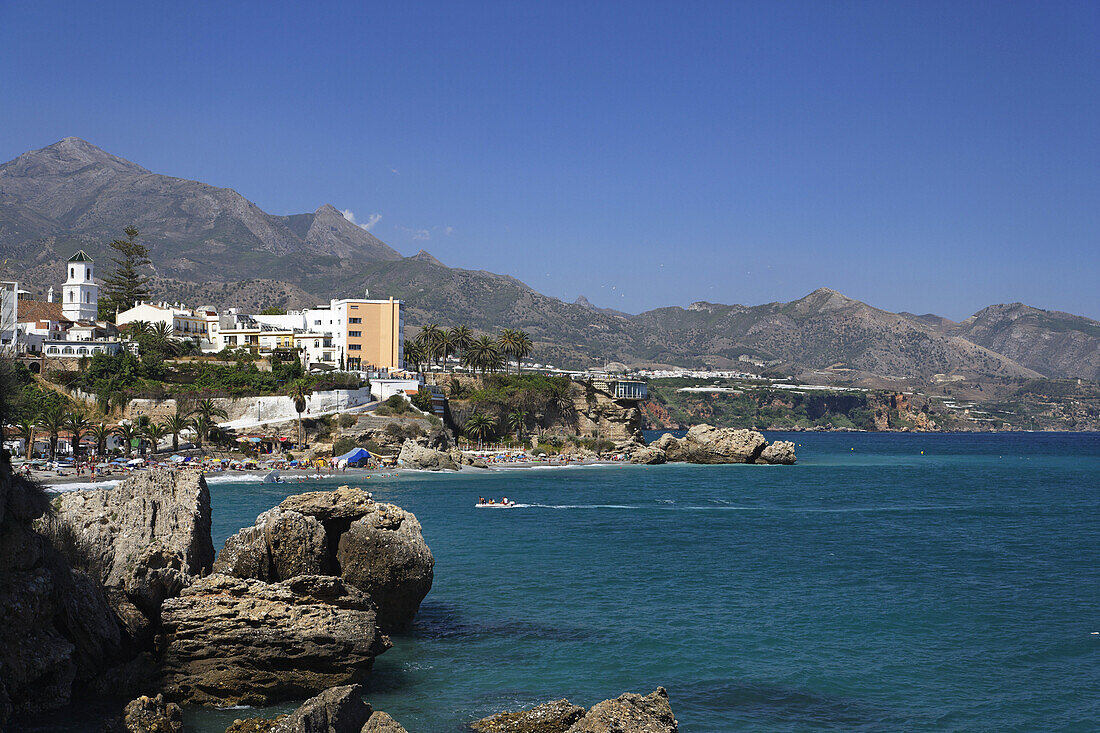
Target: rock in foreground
[[231, 641], [144, 540], [708, 444], [56, 628], [336, 710], [376, 547], [629, 713], [550, 717], [149, 715]]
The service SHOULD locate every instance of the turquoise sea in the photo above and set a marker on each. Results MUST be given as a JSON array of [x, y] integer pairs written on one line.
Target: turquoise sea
[[870, 587]]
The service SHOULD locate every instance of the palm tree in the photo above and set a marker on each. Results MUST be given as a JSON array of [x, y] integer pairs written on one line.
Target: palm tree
[[481, 354], [26, 432], [429, 339], [100, 433], [414, 353], [176, 424], [154, 432], [299, 391], [479, 425], [462, 336], [161, 334], [77, 425], [202, 425], [134, 329], [52, 421], [517, 420], [448, 344], [515, 343], [128, 433], [206, 408]]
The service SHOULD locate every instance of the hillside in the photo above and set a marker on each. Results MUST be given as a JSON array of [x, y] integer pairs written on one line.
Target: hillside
[[1052, 343], [212, 246], [73, 195]]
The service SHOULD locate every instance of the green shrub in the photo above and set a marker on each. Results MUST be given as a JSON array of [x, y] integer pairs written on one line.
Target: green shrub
[[346, 421]]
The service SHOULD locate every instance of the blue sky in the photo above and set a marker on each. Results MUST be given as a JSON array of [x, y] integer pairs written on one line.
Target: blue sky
[[919, 156]]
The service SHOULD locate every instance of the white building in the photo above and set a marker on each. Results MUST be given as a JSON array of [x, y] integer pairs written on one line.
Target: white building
[[9, 315], [79, 294], [199, 325]]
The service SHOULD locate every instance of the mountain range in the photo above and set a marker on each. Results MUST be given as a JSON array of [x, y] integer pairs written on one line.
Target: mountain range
[[211, 245]]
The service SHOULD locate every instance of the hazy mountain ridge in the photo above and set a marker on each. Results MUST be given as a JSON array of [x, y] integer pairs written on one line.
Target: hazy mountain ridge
[[212, 246], [73, 194]]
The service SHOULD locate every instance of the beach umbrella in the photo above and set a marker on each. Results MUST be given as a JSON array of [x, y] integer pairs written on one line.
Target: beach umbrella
[[135, 462]]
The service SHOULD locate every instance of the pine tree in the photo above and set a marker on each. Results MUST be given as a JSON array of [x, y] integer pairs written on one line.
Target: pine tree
[[126, 285]]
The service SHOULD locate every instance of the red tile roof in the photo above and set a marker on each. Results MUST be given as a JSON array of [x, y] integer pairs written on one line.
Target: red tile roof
[[32, 311]]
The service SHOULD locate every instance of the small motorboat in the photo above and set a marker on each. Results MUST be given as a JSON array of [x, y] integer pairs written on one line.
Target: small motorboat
[[506, 504]]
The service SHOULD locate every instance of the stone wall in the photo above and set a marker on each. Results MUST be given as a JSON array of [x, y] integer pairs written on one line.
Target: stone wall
[[268, 408]]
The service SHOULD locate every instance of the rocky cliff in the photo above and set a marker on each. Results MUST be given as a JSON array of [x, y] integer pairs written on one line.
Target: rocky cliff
[[56, 629], [143, 541]]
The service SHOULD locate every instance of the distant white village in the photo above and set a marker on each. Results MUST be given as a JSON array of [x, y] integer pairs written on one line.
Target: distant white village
[[349, 333]]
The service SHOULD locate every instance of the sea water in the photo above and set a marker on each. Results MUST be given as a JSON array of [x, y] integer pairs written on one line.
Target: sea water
[[885, 582]]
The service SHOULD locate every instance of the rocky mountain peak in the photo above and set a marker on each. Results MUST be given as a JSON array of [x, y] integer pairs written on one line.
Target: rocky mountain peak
[[69, 155], [425, 256]]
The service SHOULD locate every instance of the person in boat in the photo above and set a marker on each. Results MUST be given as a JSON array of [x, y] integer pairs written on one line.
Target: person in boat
[[504, 500]]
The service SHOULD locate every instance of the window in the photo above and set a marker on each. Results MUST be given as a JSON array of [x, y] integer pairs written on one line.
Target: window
[[317, 323], [354, 347], [355, 334], [355, 320], [354, 307]]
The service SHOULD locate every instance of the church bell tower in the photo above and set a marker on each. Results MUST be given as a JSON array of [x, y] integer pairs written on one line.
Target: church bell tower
[[79, 295]]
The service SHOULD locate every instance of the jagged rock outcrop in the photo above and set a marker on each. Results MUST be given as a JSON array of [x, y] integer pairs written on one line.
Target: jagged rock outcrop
[[380, 722], [629, 713], [149, 715], [230, 641], [282, 544], [143, 540], [463, 458], [649, 455], [414, 455], [336, 710], [780, 452], [376, 547], [708, 444], [550, 717], [56, 628]]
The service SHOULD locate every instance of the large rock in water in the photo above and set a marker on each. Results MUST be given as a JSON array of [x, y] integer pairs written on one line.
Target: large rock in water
[[376, 547], [629, 713], [144, 540], [336, 710], [230, 641], [550, 717], [148, 715], [649, 455], [56, 628], [708, 444], [413, 455]]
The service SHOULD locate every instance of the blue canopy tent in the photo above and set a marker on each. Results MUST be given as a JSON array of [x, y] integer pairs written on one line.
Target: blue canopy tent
[[355, 455]]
